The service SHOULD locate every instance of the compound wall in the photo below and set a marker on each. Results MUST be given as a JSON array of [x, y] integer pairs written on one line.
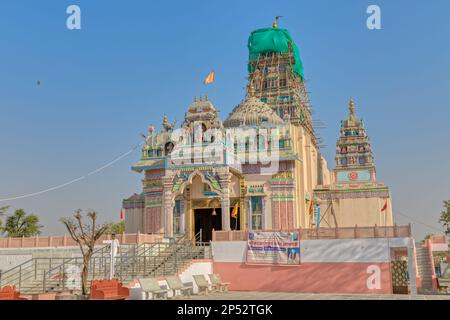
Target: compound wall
[[327, 266]]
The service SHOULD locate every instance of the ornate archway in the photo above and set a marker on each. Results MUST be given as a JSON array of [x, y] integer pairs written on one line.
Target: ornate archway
[[176, 186]]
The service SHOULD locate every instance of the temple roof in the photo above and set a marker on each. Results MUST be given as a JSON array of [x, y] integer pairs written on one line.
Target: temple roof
[[204, 111], [353, 148], [252, 112], [268, 40]]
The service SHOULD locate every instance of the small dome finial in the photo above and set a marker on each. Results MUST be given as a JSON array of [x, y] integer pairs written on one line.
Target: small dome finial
[[275, 21], [201, 98], [195, 98], [206, 97], [251, 90], [165, 121], [351, 106]]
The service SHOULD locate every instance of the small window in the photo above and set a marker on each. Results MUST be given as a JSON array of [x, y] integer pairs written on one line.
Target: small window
[[168, 148], [177, 217], [257, 213]]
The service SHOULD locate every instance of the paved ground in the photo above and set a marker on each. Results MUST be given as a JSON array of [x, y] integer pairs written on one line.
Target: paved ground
[[308, 296]]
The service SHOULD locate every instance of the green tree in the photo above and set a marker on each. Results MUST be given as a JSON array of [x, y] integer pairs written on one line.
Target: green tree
[[428, 236], [117, 228], [2, 213], [21, 224], [445, 217]]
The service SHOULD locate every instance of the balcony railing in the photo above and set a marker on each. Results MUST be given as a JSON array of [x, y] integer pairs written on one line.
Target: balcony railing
[[355, 232], [67, 241]]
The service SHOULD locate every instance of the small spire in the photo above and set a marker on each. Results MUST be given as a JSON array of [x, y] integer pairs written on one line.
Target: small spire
[[275, 21], [195, 98], [201, 98], [165, 121], [351, 106], [206, 97], [252, 90]]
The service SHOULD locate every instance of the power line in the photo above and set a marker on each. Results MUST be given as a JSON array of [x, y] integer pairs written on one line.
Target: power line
[[65, 184], [418, 221]]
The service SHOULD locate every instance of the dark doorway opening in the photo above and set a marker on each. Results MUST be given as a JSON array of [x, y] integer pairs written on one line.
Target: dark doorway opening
[[206, 222]]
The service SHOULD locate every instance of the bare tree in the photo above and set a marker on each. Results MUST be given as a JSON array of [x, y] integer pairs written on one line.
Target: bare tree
[[85, 235]]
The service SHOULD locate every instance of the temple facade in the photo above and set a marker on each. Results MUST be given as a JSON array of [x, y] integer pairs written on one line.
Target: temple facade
[[259, 169]]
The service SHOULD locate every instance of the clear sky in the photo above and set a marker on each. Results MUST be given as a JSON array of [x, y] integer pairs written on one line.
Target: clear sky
[[102, 86]]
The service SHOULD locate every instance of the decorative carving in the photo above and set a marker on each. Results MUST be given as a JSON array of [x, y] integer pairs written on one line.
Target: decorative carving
[[283, 175]]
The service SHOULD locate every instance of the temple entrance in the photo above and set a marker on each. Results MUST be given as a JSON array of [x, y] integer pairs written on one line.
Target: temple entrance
[[206, 221]]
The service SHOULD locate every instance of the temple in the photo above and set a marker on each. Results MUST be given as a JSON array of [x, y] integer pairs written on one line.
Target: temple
[[354, 196], [259, 169]]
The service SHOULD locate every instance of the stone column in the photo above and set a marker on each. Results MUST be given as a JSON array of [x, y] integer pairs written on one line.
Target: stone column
[[225, 179], [168, 206], [183, 207]]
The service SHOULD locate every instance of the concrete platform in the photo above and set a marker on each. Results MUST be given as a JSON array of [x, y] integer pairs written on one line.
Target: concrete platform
[[235, 295]]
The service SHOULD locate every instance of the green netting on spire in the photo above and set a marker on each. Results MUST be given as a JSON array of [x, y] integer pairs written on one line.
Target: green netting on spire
[[273, 40]]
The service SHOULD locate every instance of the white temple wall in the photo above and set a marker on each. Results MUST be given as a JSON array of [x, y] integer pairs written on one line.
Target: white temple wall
[[326, 173], [358, 211]]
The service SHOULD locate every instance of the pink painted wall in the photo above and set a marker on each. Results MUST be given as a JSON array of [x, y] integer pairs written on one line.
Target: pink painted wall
[[342, 277]]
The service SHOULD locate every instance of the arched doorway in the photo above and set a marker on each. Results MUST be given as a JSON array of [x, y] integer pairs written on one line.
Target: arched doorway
[[207, 207]]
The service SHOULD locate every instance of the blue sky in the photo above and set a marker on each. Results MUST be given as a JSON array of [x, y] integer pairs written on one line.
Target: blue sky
[[101, 86]]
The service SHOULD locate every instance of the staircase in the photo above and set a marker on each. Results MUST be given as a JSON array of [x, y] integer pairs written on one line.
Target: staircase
[[424, 268], [160, 259], [42, 275]]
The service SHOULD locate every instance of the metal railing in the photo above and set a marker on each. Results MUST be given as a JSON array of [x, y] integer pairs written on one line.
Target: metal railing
[[41, 275], [35, 269], [356, 232], [161, 259]]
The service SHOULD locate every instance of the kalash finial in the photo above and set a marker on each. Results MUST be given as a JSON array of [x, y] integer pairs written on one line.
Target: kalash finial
[[275, 21], [165, 121], [351, 106], [251, 90]]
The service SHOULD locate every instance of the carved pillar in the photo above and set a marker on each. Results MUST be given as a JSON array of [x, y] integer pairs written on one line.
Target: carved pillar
[[183, 208], [267, 208], [225, 179], [168, 206]]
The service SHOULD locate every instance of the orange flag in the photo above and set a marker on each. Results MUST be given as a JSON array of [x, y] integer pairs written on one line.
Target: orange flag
[[311, 208], [384, 207], [234, 213], [209, 78]]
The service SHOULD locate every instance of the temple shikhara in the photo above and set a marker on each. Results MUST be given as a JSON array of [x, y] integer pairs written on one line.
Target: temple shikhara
[[261, 168]]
